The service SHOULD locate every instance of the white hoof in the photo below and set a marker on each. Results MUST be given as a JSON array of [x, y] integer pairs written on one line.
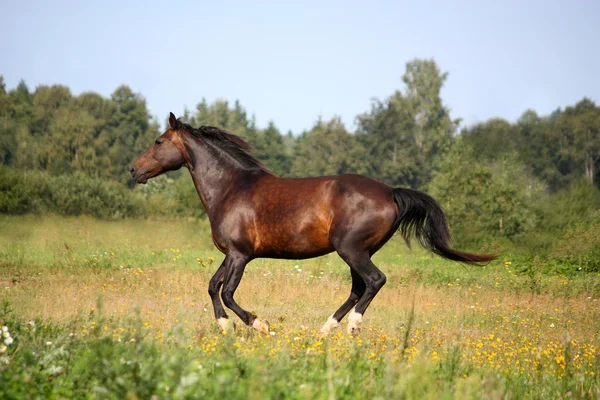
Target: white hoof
[[354, 322], [225, 324], [330, 325], [261, 326]]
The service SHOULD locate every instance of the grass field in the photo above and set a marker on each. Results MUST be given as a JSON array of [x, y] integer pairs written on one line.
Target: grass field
[[97, 309]]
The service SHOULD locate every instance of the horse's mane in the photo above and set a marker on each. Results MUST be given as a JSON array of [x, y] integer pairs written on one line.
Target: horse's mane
[[226, 142]]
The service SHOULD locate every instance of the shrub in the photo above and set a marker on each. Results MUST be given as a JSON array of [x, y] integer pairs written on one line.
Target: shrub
[[485, 203], [16, 193], [578, 249], [80, 194], [72, 194]]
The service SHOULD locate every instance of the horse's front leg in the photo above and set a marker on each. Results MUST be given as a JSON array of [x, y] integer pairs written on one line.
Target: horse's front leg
[[233, 276], [214, 287]]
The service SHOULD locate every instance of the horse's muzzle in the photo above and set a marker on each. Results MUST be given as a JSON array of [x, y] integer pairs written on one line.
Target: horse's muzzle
[[139, 178]]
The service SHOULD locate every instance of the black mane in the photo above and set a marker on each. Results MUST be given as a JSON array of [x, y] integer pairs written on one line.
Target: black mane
[[223, 141]]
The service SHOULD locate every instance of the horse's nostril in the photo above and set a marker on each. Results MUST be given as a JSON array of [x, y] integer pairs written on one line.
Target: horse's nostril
[[131, 170]]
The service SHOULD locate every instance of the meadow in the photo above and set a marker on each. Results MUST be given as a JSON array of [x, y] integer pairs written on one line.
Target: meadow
[[119, 309]]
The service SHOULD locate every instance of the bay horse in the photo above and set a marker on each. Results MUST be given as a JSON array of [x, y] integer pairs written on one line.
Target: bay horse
[[253, 213]]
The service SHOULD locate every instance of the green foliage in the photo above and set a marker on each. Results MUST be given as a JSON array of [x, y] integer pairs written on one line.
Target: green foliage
[[558, 149], [530, 187], [15, 193], [271, 150], [491, 140], [72, 194], [578, 250], [485, 202], [79, 194], [167, 196], [53, 130], [575, 205], [404, 134], [391, 154], [52, 364], [327, 149]]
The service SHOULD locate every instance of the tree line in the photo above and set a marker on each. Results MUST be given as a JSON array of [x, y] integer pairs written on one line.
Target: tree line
[[505, 177], [400, 140]]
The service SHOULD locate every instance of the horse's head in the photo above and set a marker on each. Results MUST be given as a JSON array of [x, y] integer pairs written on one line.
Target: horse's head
[[166, 154]]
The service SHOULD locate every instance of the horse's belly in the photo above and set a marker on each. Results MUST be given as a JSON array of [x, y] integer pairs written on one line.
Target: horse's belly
[[295, 240]]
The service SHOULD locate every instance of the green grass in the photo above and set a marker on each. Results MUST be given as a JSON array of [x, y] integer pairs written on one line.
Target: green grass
[[119, 310]]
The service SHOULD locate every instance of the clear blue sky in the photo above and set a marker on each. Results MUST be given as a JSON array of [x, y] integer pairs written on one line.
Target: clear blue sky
[[291, 61]]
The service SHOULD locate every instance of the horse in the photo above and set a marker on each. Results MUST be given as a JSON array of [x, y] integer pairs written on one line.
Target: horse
[[254, 213]]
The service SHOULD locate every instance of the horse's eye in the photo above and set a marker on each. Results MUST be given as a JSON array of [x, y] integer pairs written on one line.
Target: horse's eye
[[158, 141]]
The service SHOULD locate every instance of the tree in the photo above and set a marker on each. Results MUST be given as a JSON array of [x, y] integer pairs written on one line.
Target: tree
[[538, 148], [233, 120], [386, 134], [491, 140], [485, 200], [7, 137], [128, 132], [581, 137], [272, 151], [327, 149], [433, 129], [405, 133]]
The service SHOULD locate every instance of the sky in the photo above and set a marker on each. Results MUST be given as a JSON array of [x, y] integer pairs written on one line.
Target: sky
[[295, 61]]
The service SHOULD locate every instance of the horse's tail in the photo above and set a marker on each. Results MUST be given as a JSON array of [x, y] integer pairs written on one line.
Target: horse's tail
[[420, 215]]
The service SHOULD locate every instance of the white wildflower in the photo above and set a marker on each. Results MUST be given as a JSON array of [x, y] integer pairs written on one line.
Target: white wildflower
[[8, 341]]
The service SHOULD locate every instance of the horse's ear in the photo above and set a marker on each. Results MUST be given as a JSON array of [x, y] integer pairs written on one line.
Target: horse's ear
[[172, 121]]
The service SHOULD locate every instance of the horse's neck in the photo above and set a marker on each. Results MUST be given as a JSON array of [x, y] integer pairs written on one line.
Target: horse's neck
[[215, 178]]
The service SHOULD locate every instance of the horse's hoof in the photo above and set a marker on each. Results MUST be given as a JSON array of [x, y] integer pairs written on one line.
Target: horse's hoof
[[354, 330], [226, 325], [354, 322], [330, 325], [261, 326]]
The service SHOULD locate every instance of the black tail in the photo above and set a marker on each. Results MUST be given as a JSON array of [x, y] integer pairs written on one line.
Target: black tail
[[421, 216]]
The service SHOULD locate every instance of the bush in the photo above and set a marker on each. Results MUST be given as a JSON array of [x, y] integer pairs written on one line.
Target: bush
[[167, 196], [578, 249], [80, 194], [485, 203], [72, 194], [15, 193]]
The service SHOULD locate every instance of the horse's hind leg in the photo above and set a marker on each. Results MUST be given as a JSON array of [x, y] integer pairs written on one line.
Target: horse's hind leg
[[374, 279], [358, 288], [232, 280]]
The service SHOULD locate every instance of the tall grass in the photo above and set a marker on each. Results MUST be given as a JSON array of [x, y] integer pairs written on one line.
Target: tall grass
[[120, 310]]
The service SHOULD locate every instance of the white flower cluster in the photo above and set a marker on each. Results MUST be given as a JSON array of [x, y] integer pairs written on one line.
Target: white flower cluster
[[6, 339]]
